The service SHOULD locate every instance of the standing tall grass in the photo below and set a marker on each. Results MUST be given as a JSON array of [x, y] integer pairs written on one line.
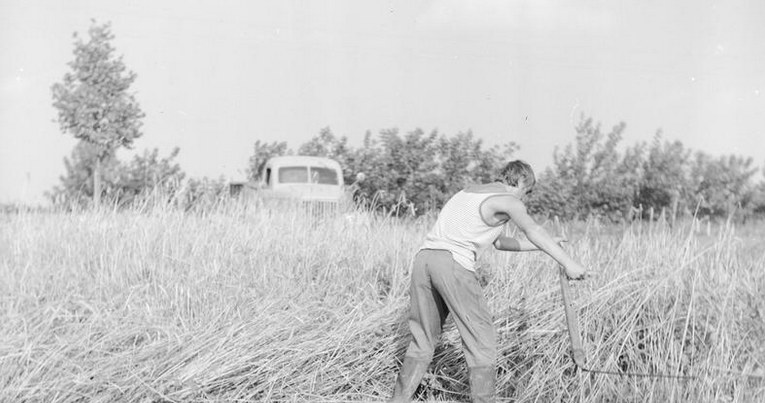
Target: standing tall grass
[[233, 304]]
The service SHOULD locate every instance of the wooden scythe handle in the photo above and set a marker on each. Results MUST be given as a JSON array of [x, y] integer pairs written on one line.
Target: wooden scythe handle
[[577, 352]]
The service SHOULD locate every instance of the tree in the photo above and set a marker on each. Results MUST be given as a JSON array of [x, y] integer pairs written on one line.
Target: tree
[[93, 101], [589, 177], [201, 194], [262, 152], [407, 166], [326, 145], [758, 196], [410, 173], [722, 184], [664, 183], [121, 182], [413, 172], [76, 186], [148, 173]]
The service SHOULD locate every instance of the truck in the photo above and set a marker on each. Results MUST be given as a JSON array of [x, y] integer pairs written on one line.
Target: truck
[[313, 182]]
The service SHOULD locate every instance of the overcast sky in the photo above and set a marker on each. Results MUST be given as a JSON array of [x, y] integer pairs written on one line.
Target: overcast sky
[[215, 76]]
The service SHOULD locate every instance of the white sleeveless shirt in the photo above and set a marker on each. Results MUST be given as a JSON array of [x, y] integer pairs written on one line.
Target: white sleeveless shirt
[[461, 230]]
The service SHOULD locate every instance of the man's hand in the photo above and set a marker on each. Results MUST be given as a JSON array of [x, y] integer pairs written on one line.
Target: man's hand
[[576, 271]]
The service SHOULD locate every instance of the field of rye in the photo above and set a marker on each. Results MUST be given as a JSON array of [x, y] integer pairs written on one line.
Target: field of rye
[[156, 305]]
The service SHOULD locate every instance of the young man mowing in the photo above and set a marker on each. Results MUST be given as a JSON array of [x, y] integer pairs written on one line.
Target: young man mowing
[[443, 276]]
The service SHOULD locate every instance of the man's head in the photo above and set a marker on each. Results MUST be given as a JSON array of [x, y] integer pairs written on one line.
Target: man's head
[[518, 174]]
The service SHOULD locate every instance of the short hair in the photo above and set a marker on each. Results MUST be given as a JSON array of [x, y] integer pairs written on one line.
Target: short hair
[[516, 172]]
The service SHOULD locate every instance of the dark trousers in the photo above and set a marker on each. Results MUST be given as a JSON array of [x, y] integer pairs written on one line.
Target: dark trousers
[[440, 286]]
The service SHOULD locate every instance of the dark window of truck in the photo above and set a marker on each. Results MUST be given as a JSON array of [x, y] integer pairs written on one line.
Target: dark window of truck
[[323, 176], [293, 175]]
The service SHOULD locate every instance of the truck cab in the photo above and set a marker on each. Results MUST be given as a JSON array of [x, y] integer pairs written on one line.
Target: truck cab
[[302, 177], [314, 182]]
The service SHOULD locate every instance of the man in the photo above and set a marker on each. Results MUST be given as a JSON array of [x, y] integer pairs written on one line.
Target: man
[[443, 276]]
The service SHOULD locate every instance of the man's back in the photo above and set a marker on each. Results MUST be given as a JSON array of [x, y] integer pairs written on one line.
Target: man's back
[[461, 228]]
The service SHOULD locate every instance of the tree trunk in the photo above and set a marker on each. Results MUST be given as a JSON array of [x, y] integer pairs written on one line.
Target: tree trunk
[[97, 184]]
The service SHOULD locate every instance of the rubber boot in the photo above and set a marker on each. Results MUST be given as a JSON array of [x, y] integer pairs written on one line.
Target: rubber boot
[[408, 379], [482, 380]]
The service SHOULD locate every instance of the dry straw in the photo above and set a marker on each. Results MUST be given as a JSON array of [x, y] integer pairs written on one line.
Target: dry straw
[[231, 303]]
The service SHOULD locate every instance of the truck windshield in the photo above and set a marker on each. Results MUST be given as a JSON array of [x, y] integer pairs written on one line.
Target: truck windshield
[[293, 175], [319, 175], [323, 176]]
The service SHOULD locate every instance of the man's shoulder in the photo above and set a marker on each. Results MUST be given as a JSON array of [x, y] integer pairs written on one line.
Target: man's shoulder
[[505, 202]]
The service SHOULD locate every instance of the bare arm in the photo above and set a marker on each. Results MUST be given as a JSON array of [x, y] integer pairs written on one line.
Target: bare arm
[[541, 239], [511, 244]]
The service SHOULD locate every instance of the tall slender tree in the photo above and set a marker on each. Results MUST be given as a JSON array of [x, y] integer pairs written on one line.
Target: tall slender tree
[[93, 99]]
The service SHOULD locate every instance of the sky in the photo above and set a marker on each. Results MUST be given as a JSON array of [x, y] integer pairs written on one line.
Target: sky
[[216, 76]]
